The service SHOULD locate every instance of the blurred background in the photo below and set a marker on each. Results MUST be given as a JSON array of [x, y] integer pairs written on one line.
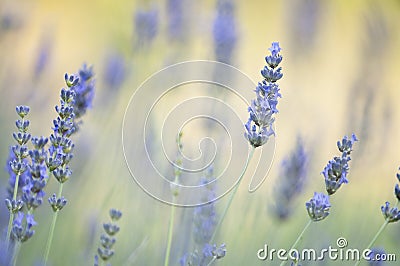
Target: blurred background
[[340, 65]]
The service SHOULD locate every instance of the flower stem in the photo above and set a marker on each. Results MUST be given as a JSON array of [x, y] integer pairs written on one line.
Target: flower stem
[[233, 193], [383, 226], [211, 262], [51, 233], [16, 251], [11, 219], [298, 239], [170, 231]]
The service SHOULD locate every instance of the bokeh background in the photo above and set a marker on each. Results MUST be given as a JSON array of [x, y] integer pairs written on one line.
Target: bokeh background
[[340, 66]]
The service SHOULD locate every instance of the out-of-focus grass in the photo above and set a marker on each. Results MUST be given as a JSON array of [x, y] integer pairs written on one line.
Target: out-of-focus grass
[[316, 86]]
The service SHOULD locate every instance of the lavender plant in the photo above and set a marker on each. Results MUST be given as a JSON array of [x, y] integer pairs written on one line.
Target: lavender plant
[[390, 214], [107, 240], [293, 175], [175, 193], [374, 254], [29, 169], [204, 221], [26, 183], [114, 71], [262, 113], [224, 31], [335, 174], [75, 100], [176, 27], [17, 165], [146, 26]]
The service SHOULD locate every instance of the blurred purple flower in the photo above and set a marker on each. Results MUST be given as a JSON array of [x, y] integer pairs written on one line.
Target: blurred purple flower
[[146, 26], [175, 12], [224, 31], [293, 174], [114, 71]]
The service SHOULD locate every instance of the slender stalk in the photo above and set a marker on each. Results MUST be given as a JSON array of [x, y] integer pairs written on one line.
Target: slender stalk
[[381, 229], [16, 251], [11, 219], [211, 262], [175, 193], [298, 239], [51, 233], [233, 193], [170, 233]]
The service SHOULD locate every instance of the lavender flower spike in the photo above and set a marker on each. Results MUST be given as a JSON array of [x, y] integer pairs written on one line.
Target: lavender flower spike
[[293, 174], [262, 110], [224, 31], [146, 26], [336, 171]]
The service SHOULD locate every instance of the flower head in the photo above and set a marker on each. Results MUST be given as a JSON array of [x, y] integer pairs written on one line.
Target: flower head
[[391, 214], [374, 256], [22, 110], [57, 203], [318, 207], [275, 49], [115, 214], [275, 58], [345, 147]]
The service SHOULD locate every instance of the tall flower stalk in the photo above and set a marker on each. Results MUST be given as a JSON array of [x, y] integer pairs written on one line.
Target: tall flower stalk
[[204, 221], [335, 174], [175, 194], [224, 31], [107, 240], [76, 98], [17, 165], [293, 175], [391, 215], [259, 127], [22, 182]]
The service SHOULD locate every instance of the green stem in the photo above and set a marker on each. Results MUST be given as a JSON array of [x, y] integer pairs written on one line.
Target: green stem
[[170, 231], [16, 251], [11, 219], [211, 262], [233, 194], [53, 225], [383, 226], [298, 239]]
